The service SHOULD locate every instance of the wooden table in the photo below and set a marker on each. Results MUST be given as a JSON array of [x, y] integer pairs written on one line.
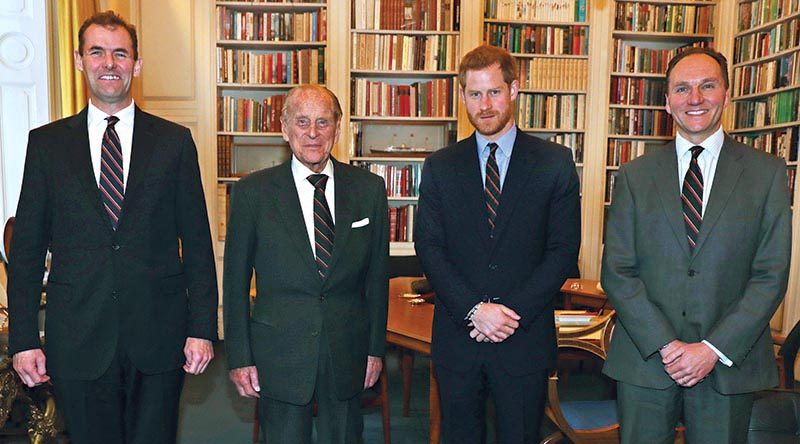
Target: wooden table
[[583, 292], [409, 326]]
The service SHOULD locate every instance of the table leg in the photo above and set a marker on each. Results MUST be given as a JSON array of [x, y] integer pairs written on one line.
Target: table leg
[[435, 413]]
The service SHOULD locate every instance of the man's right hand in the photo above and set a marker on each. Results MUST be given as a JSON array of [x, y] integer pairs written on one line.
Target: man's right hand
[[495, 321], [30, 366], [246, 381]]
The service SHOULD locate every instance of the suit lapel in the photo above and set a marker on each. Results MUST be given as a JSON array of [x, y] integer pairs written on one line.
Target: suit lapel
[[344, 209], [728, 171], [666, 182], [288, 204], [144, 142], [517, 177], [81, 162], [469, 171]]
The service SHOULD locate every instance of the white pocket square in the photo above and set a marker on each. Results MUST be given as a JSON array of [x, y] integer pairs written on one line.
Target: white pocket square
[[360, 223]]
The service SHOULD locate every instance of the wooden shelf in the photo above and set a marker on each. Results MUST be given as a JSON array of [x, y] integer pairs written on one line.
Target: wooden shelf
[[402, 119], [553, 91], [272, 6], [409, 159], [670, 2], [639, 137], [652, 75], [261, 86], [401, 249], [248, 134], [402, 32], [552, 130], [534, 22], [270, 44], [398, 73], [677, 37], [624, 106], [768, 58], [764, 129], [548, 56], [758, 95]]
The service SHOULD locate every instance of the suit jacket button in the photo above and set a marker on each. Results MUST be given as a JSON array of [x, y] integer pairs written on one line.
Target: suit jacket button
[[691, 273], [114, 294], [322, 298], [115, 247], [315, 333], [493, 267]]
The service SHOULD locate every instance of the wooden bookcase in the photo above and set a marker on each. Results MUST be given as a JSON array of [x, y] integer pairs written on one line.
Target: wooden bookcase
[[550, 41], [765, 83], [646, 35], [262, 50], [403, 96]]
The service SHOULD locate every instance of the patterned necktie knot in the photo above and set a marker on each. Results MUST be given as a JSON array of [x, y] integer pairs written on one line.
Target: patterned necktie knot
[[696, 150], [112, 120], [318, 180]]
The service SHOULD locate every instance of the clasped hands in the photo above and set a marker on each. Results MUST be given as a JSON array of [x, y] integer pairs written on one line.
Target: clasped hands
[[493, 323], [688, 363]]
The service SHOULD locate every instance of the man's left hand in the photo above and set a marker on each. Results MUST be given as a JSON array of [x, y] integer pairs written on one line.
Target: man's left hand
[[374, 367], [199, 352], [695, 363]]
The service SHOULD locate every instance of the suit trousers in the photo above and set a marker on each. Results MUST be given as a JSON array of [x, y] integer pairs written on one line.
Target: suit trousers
[[123, 406], [518, 401], [338, 421], [651, 415]]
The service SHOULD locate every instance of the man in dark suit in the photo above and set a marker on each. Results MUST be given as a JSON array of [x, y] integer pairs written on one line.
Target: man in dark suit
[[315, 231], [132, 293], [497, 233], [696, 261]]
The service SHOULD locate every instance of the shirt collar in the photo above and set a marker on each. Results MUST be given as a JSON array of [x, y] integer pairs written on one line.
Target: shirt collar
[[96, 116], [301, 172], [505, 143], [712, 145]]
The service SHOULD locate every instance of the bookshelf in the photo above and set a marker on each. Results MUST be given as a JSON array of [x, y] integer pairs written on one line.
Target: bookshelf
[[262, 49], [403, 101], [765, 83], [550, 41], [645, 36]]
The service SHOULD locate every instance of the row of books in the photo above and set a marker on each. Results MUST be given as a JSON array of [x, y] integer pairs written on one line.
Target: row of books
[[233, 24], [543, 10], [639, 122], [401, 180], [573, 141], [758, 12], [781, 37], [765, 77], [272, 67], [407, 15], [432, 98], [622, 151], [611, 178], [782, 143], [224, 156], [388, 52], [632, 58], [538, 39], [647, 17], [549, 73], [551, 111], [401, 223], [250, 115], [637, 91], [773, 110]]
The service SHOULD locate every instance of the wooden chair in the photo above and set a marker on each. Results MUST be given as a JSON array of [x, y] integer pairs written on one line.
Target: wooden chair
[[785, 358], [379, 398], [582, 422]]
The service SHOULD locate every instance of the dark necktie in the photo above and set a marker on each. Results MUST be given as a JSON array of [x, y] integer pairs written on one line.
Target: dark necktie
[[323, 224], [492, 186], [112, 188], [692, 198]]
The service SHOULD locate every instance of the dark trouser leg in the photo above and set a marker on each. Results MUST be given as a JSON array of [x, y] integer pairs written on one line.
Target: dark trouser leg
[[648, 415], [463, 401], [519, 404], [713, 418]]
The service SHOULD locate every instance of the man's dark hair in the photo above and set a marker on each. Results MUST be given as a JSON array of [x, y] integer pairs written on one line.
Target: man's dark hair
[[719, 58], [109, 19]]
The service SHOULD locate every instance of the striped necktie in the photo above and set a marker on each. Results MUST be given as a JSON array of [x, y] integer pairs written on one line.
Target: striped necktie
[[492, 186], [323, 224], [692, 198], [112, 188]]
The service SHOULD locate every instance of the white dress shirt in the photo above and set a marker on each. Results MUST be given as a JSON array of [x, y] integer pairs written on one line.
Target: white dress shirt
[[305, 192], [707, 161], [97, 124]]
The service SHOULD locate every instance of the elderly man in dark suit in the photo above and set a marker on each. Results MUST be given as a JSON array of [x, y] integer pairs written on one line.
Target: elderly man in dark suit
[[696, 261], [315, 231], [497, 233], [115, 194]]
